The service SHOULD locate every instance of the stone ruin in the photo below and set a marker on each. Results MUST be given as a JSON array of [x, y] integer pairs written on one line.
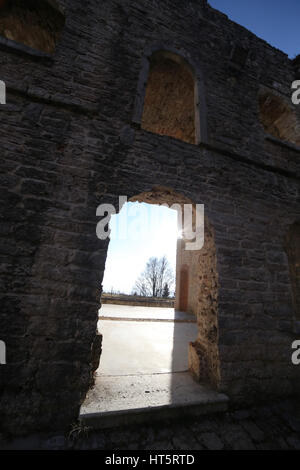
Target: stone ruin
[[162, 102]]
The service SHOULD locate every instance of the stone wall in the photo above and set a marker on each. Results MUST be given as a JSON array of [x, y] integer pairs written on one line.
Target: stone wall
[[292, 247], [69, 143], [136, 301], [274, 426], [199, 269]]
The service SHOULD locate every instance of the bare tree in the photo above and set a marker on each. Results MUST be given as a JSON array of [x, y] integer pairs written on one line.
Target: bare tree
[[153, 279]]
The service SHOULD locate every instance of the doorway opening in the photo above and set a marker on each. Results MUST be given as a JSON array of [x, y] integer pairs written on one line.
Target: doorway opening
[[158, 335], [139, 290]]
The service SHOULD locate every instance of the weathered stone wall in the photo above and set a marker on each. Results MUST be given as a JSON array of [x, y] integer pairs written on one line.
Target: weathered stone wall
[[68, 145], [292, 247], [199, 269]]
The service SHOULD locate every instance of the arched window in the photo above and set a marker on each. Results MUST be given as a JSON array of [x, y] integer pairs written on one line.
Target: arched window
[[278, 118], [36, 24], [169, 106], [293, 252]]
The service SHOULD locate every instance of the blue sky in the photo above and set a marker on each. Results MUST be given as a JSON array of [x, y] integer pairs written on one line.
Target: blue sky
[[275, 21]]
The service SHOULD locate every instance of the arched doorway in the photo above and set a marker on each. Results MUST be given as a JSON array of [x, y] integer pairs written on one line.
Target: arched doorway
[[197, 292]]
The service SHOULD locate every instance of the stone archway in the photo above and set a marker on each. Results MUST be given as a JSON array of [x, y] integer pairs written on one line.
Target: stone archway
[[196, 294]]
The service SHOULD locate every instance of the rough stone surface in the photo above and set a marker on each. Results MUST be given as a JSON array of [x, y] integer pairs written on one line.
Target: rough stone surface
[[169, 101], [65, 151], [211, 441], [266, 428]]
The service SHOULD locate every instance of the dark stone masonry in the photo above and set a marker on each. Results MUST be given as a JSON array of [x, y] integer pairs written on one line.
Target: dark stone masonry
[[271, 427], [75, 134]]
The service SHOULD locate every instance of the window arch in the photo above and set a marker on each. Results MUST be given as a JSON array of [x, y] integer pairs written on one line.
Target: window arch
[[278, 118], [35, 24], [169, 97]]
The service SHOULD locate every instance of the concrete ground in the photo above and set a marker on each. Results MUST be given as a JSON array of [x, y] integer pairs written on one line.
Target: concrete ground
[[144, 366], [141, 340], [137, 392]]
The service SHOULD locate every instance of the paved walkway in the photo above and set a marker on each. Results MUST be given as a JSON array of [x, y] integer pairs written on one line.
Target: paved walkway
[[144, 340], [271, 427], [144, 361], [144, 347], [275, 426]]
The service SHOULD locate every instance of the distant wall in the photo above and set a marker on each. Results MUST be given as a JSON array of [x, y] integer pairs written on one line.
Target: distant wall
[[136, 301]]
